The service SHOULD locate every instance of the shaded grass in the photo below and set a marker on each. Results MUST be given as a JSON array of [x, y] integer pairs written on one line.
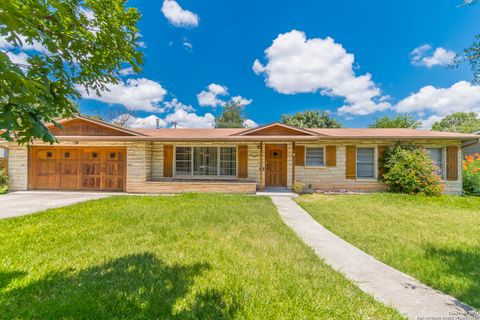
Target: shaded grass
[[183, 257], [434, 239]]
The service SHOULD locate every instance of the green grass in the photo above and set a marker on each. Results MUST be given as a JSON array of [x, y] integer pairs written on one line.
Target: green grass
[[434, 239], [183, 257]]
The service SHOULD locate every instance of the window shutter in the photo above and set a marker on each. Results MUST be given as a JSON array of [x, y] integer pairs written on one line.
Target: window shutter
[[243, 161], [299, 155], [350, 162], [381, 152], [168, 160], [452, 163], [331, 156]]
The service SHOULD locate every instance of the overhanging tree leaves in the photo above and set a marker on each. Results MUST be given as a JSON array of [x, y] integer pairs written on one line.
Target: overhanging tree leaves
[[82, 44], [311, 119], [398, 121]]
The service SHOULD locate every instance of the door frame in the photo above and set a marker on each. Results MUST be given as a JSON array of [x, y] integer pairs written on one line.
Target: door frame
[[31, 163], [284, 148]]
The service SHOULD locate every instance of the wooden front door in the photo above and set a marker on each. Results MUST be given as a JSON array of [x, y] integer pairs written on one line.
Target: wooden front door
[[72, 168], [276, 165]]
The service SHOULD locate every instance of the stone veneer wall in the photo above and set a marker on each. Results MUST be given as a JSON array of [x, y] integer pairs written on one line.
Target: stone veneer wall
[[145, 165]]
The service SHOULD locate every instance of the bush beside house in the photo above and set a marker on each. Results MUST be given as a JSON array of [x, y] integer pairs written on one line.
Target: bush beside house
[[471, 174], [409, 169], [3, 181]]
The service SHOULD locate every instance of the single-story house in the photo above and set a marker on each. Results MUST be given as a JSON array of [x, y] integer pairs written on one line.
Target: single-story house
[[473, 147], [94, 155]]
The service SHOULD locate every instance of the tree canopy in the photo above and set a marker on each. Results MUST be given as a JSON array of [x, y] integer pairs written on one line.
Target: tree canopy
[[232, 116], [311, 119], [70, 44], [464, 122], [399, 121]]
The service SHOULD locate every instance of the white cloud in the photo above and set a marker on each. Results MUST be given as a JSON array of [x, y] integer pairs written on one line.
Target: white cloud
[[188, 45], [249, 123], [209, 97], [176, 105], [462, 96], [439, 57], [126, 71], [186, 119], [296, 64], [178, 16], [428, 123], [242, 101], [147, 122], [19, 58], [25, 45], [133, 94]]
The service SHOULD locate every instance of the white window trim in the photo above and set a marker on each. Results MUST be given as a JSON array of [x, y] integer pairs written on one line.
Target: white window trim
[[375, 162], [305, 156], [191, 176], [443, 178]]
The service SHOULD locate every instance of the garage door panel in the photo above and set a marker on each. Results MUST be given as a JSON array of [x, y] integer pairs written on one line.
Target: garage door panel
[[77, 169]]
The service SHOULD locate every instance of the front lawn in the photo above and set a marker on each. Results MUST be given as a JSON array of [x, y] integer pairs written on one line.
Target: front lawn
[[434, 239], [180, 257]]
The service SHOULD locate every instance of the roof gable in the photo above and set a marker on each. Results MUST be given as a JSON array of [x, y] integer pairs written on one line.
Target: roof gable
[[81, 126], [277, 129]]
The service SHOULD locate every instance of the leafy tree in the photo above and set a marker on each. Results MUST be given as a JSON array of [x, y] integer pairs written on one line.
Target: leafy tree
[[75, 44], [399, 121], [464, 122], [472, 55], [311, 119], [232, 116]]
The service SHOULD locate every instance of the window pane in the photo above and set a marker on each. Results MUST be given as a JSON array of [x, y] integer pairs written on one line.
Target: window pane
[[228, 161], [314, 157], [365, 162], [205, 161], [436, 154], [183, 161]]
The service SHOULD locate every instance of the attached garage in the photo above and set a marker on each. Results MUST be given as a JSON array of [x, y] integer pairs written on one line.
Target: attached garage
[[75, 168]]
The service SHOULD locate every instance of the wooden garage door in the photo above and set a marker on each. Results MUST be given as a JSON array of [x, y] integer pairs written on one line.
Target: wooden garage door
[[95, 169]]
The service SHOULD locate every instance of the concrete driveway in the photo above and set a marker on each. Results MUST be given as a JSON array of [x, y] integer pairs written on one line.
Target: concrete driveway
[[20, 203]]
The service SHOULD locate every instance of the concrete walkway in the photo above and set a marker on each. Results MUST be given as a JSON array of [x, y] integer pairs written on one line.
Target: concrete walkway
[[20, 203], [388, 285]]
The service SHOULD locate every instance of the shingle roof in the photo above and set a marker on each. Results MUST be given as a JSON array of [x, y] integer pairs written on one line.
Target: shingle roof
[[233, 134]]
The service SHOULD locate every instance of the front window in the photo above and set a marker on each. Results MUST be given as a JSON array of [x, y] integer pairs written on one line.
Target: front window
[[365, 162], [314, 157], [436, 154], [205, 161]]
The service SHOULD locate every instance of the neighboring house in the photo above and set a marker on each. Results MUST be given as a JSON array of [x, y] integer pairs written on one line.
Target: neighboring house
[[472, 148], [95, 155]]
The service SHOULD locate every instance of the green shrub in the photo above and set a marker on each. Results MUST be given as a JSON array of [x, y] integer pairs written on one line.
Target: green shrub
[[409, 169], [298, 187], [471, 174], [3, 179]]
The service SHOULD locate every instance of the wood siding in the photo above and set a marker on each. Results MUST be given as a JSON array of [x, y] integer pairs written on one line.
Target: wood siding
[[80, 127]]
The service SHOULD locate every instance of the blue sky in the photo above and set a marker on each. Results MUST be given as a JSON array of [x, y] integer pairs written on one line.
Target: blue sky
[[193, 44]]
